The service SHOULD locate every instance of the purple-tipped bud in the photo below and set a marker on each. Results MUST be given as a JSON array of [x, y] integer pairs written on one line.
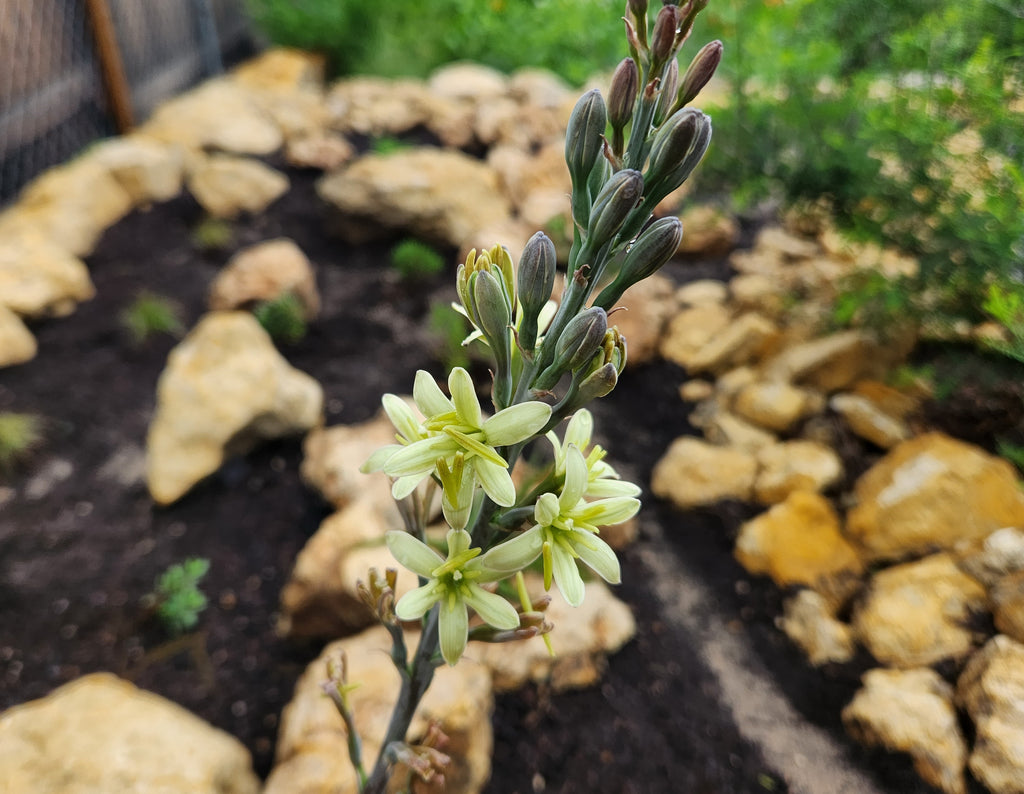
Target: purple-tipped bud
[[700, 71], [613, 204], [581, 339], [669, 86], [594, 386], [584, 135], [679, 144], [622, 95], [636, 23], [652, 249], [663, 37], [536, 276]]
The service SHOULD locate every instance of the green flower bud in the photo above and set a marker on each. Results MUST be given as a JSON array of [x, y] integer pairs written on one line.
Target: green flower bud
[[497, 262], [537, 273], [613, 204], [622, 95], [582, 337], [583, 137], [492, 309], [652, 249], [699, 72], [663, 37], [669, 86], [636, 23], [594, 386], [679, 144], [612, 351]]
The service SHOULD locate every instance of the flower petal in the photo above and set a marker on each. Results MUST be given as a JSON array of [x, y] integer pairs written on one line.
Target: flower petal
[[420, 457], [546, 510], [453, 627], [467, 406], [414, 554], [492, 608], [575, 478], [567, 575], [428, 395], [580, 428], [605, 512], [606, 486], [598, 555], [414, 604], [403, 486], [402, 417], [496, 482], [516, 423], [514, 554], [458, 541], [377, 460]]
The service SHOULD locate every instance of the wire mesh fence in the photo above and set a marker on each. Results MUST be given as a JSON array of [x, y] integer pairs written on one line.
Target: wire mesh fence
[[54, 97]]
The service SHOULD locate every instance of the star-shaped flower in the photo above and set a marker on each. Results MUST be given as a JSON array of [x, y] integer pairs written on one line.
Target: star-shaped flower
[[567, 530], [454, 583], [602, 479]]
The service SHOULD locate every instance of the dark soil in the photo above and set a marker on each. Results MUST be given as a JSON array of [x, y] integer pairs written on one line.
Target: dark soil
[[81, 543]]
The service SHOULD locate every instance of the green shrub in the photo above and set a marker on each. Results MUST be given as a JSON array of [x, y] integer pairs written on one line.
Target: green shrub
[[1006, 307], [412, 259], [150, 315], [177, 597], [20, 434], [284, 318]]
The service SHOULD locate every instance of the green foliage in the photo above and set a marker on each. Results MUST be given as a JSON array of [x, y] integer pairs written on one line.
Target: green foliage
[[177, 597], [212, 234], [405, 38], [283, 318], [1012, 452], [412, 259], [1006, 307], [386, 144], [20, 434], [150, 315], [449, 329]]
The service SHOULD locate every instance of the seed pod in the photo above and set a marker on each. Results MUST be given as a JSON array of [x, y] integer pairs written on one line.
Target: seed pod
[[699, 72], [613, 204], [583, 136], [622, 95]]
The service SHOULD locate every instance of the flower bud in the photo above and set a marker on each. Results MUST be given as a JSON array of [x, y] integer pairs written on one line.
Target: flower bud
[[581, 339], [699, 72], [613, 204], [536, 277], [492, 309], [679, 144], [636, 23], [663, 37], [583, 136], [612, 351], [594, 386], [622, 95], [652, 249], [667, 95]]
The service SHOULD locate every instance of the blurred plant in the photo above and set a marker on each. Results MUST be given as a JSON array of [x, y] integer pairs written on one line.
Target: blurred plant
[[547, 362], [176, 598], [386, 144], [212, 234], [1006, 307], [449, 329], [20, 435], [149, 315], [284, 318], [413, 259]]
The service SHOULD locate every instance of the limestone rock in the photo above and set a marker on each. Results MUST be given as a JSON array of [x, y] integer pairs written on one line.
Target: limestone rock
[[708, 232], [933, 492], [911, 711], [433, 193], [919, 613], [540, 88], [743, 340], [582, 638], [100, 733], [788, 246], [693, 329], [774, 405], [1001, 553], [264, 272], [693, 473], [325, 151], [991, 690], [281, 69], [1007, 599], [726, 430], [696, 390], [224, 388], [378, 106], [648, 305], [148, 170], [868, 421], [41, 279], [702, 291], [808, 621], [798, 542], [468, 81], [311, 757], [226, 185], [17, 345], [795, 466], [758, 292], [828, 363]]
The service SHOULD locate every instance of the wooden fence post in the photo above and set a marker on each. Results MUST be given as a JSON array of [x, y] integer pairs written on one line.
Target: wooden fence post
[[118, 92]]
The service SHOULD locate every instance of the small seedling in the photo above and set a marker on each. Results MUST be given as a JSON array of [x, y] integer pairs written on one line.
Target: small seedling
[[412, 259], [283, 318], [20, 434], [388, 145], [150, 315], [177, 598], [212, 234]]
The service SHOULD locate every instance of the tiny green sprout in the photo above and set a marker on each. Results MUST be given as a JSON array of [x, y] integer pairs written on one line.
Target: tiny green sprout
[[387, 144], [412, 259], [212, 234], [283, 318], [177, 597], [20, 434], [150, 315]]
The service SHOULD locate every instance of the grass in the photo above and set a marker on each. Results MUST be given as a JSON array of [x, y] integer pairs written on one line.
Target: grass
[[152, 315], [412, 259], [283, 318], [20, 435]]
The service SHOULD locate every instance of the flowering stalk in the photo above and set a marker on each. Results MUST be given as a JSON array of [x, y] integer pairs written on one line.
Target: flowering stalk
[[548, 365]]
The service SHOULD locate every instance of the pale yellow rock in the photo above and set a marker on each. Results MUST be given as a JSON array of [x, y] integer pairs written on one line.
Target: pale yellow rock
[[810, 623], [468, 81], [17, 345], [911, 711], [702, 291], [758, 292], [919, 613], [707, 231], [225, 387], [691, 330], [745, 339], [774, 405], [311, 755], [868, 421], [732, 382], [727, 430], [693, 473], [282, 70], [1000, 554], [787, 245], [378, 106], [793, 466], [265, 272], [799, 542], [933, 492], [696, 390], [41, 279], [540, 88], [433, 193], [323, 150], [226, 185], [647, 308], [1007, 598], [101, 734], [509, 232], [543, 207], [831, 362], [991, 691], [582, 638], [148, 170], [69, 207]]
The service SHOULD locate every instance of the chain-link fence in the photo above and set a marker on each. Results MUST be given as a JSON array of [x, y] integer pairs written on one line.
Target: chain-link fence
[[56, 93]]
